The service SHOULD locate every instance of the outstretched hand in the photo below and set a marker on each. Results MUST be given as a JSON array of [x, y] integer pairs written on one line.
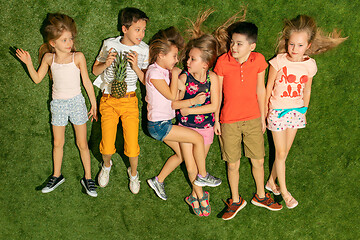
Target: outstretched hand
[[24, 56]]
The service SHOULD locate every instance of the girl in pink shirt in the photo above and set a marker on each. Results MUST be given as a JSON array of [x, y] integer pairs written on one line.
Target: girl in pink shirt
[[288, 91], [66, 66]]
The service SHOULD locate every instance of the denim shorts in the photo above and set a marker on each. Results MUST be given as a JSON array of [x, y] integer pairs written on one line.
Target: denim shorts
[[159, 130], [73, 109]]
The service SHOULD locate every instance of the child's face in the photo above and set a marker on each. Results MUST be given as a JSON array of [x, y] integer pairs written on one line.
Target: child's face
[[64, 43], [135, 33], [169, 60], [195, 63], [240, 47], [297, 45]]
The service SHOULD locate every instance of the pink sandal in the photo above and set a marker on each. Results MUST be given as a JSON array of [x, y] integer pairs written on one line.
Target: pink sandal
[[291, 202], [275, 191]]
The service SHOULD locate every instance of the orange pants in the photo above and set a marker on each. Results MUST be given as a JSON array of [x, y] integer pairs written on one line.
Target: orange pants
[[111, 109]]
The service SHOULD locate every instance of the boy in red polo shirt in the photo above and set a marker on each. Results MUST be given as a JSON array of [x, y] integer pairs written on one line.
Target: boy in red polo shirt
[[241, 73]]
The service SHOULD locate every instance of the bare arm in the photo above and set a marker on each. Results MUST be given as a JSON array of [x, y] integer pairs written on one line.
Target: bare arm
[[261, 95], [99, 67], [307, 92], [36, 76], [180, 103], [169, 92], [217, 129], [208, 108], [81, 63], [269, 87], [133, 60]]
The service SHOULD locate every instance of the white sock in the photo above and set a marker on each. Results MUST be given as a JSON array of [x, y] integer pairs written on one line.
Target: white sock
[[134, 177]]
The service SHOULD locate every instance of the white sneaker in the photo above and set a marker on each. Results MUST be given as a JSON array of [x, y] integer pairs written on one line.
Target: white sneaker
[[103, 178], [134, 184]]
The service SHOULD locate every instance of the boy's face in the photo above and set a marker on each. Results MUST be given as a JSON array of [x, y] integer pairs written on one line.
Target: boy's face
[[134, 34], [240, 47]]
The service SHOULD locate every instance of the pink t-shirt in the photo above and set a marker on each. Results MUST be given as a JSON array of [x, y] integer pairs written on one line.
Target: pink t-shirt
[[158, 107], [290, 81]]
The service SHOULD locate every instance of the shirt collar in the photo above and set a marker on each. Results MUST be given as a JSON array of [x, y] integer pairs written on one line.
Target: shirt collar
[[161, 69], [232, 59]]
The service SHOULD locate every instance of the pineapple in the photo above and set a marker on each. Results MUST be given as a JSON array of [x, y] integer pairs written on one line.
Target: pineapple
[[119, 86]]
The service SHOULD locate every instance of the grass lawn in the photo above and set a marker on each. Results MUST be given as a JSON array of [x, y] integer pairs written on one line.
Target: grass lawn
[[322, 169]]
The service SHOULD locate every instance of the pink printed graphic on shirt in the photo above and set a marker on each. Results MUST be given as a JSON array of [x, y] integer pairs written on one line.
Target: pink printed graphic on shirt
[[288, 79], [199, 119], [192, 88], [184, 119], [207, 125]]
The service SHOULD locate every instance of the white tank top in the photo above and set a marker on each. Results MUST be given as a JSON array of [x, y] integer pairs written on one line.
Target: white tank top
[[66, 80]]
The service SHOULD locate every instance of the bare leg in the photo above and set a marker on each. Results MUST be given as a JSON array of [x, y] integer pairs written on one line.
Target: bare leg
[[258, 172], [81, 141], [289, 142], [59, 140], [106, 159], [173, 162], [133, 164], [280, 140], [233, 176], [186, 135]]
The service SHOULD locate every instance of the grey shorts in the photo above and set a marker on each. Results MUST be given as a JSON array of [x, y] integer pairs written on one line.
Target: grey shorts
[[73, 109]]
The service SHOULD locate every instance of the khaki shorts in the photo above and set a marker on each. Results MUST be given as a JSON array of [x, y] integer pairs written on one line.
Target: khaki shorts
[[233, 134]]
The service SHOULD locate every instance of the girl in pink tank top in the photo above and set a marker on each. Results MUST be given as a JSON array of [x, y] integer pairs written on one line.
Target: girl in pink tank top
[[66, 66]]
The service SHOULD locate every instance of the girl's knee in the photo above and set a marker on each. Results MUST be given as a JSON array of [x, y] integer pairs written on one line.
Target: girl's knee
[[59, 143], [82, 145], [281, 155]]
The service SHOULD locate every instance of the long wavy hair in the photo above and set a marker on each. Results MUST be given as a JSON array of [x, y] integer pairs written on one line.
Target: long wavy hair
[[320, 41], [52, 28]]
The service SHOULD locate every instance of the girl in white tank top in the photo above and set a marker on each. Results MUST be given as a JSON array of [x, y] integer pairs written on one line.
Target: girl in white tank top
[[66, 65]]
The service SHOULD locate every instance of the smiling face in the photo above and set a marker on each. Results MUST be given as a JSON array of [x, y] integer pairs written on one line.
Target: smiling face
[[240, 47], [195, 63], [64, 43], [297, 46], [134, 34]]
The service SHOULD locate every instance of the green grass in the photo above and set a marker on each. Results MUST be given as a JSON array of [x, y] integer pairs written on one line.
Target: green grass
[[323, 165]]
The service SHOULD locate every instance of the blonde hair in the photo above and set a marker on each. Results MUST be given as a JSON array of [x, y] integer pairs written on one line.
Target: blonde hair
[[162, 41], [320, 42], [213, 44], [52, 28]]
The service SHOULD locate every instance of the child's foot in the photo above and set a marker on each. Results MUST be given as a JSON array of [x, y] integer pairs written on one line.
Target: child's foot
[[194, 204], [53, 183], [275, 189], [233, 208], [158, 187], [290, 201], [103, 178], [205, 204], [134, 183], [208, 180], [89, 186], [266, 202]]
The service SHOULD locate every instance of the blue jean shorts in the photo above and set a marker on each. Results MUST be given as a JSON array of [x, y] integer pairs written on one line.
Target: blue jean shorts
[[159, 130], [73, 109]]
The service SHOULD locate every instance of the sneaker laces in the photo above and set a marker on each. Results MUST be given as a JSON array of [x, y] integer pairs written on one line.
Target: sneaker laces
[[51, 181], [91, 185]]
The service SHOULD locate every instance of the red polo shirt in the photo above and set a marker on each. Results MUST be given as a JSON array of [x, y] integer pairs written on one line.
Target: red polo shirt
[[239, 86]]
